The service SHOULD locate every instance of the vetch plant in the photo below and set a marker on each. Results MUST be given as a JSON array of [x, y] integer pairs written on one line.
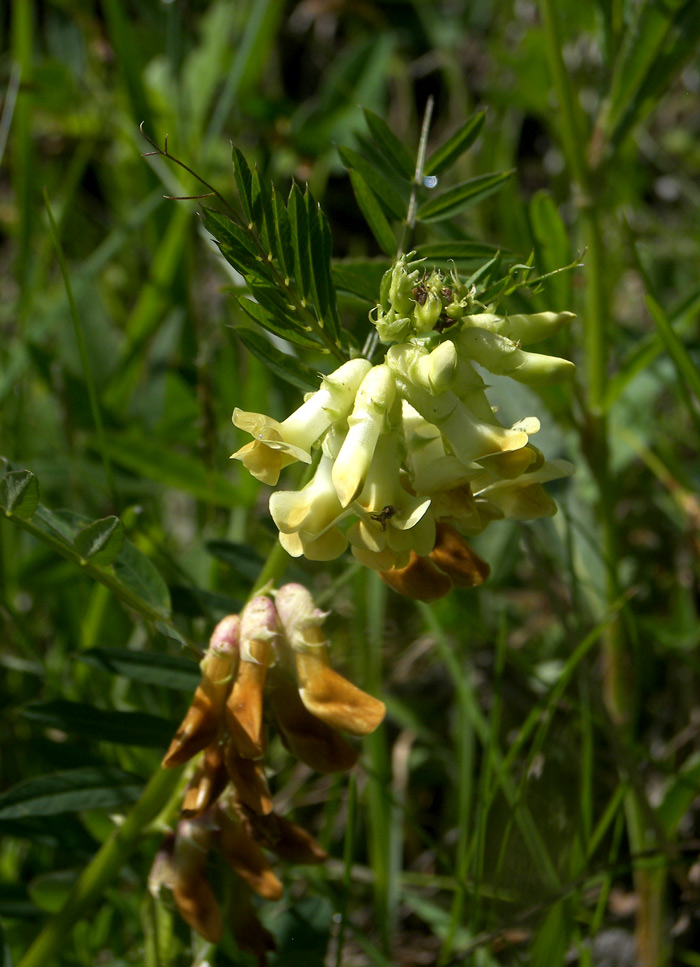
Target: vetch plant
[[407, 458]]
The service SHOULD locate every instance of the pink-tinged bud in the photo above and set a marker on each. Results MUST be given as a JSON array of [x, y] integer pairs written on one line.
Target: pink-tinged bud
[[245, 857], [244, 708], [203, 720], [208, 782], [307, 738], [194, 897], [248, 779]]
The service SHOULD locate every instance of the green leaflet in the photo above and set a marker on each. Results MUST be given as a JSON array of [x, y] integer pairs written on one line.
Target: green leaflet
[[372, 211], [19, 493], [462, 196], [393, 150], [388, 197], [69, 791], [455, 146]]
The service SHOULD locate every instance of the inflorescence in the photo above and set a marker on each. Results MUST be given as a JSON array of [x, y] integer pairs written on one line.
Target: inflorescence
[[413, 457], [275, 651]]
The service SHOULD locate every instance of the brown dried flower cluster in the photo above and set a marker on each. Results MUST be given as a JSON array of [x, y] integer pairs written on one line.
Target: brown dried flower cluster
[[273, 658]]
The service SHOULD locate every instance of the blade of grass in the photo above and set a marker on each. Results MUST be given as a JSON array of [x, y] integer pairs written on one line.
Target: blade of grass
[[84, 356]]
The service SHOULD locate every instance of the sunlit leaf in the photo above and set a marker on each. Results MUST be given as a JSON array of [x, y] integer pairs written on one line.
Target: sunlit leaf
[[64, 792], [463, 138], [19, 493], [372, 211], [391, 147], [101, 541], [463, 196]]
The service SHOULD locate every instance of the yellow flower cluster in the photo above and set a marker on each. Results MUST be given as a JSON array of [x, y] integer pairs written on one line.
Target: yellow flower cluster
[[413, 442], [275, 650]]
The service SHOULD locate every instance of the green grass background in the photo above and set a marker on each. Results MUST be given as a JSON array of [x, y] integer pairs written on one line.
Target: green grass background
[[532, 796]]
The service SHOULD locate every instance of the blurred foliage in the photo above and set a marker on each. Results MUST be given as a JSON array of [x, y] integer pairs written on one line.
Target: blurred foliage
[[489, 824]]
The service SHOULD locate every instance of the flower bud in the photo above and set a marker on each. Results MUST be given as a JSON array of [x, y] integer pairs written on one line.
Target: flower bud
[[425, 315], [504, 357], [401, 286], [244, 708], [202, 722], [519, 328]]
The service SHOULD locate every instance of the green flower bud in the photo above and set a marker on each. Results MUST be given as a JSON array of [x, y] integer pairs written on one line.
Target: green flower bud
[[504, 357], [426, 315], [522, 328]]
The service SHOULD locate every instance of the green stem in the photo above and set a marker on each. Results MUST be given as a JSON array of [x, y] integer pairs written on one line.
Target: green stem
[[410, 223], [101, 870]]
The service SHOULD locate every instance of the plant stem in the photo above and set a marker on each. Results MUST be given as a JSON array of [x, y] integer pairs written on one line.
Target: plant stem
[[101, 870], [410, 223]]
